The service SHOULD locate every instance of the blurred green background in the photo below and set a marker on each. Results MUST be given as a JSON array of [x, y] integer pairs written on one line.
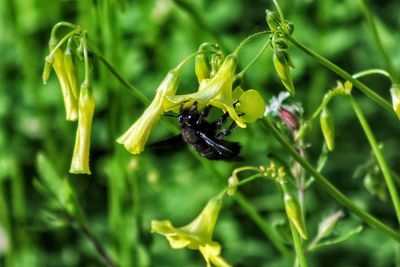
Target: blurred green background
[[143, 40]]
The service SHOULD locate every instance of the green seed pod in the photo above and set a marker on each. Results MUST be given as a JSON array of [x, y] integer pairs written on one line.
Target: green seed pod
[[395, 92], [282, 63], [201, 67], [272, 19], [70, 71], [281, 43], [328, 129], [293, 212]]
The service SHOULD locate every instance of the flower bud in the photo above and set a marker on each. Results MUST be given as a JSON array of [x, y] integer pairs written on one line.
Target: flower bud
[[328, 129], [201, 67], [289, 118], [232, 182], [272, 19], [395, 92], [294, 214], [80, 158], [282, 63]]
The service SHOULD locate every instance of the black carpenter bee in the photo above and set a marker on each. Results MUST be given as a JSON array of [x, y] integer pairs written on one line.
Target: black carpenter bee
[[207, 138]]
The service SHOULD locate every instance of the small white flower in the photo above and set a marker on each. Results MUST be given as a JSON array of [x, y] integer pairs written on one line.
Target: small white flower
[[276, 103]]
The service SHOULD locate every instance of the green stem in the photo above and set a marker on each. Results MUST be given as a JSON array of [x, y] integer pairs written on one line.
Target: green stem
[[248, 39], [248, 180], [60, 24], [276, 3], [298, 246], [342, 73], [378, 154], [331, 189], [372, 71], [254, 60], [260, 222], [378, 41], [135, 91]]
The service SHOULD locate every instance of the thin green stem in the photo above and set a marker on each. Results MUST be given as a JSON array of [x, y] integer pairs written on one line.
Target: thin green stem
[[298, 247], [86, 60], [260, 222], [254, 60], [249, 179], [328, 187], [342, 73], [372, 71], [60, 24], [278, 7], [135, 91], [375, 33], [378, 154], [63, 40], [248, 39]]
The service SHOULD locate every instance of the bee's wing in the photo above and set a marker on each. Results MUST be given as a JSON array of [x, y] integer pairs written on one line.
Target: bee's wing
[[169, 144], [225, 149]]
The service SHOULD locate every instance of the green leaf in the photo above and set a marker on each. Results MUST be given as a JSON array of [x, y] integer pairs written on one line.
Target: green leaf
[[336, 240]]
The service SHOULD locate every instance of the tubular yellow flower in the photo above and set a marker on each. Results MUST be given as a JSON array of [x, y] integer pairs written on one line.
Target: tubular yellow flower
[[216, 91], [80, 158], [197, 235], [136, 137], [70, 102]]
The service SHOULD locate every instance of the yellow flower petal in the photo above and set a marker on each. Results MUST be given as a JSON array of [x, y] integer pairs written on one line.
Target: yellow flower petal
[[216, 91], [80, 158], [136, 137]]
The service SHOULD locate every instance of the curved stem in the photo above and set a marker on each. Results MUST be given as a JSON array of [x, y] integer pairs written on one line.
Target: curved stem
[[378, 154], [298, 246], [60, 24], [63, 40], [342, 73], [254, 60], [331, 189], [248, 39], [372, 71], [378, 41], [248, 180]]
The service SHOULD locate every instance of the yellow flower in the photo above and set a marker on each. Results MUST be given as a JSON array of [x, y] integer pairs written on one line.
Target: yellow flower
[[136, 137], [58, 62], [80, 158], [197, 235], [216, 91]]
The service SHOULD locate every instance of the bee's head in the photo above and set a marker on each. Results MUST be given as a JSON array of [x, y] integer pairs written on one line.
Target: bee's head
[[189, 117]]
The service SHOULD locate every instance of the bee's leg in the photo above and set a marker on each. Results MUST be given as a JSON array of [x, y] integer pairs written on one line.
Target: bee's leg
[[225, 132], [221, 120], [206, 111], [193, 107]]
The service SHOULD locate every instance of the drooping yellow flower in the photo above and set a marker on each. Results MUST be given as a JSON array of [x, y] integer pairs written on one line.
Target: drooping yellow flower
[[197, 235], [58, 62], [80, 158], [136, 137], [216, 91]]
